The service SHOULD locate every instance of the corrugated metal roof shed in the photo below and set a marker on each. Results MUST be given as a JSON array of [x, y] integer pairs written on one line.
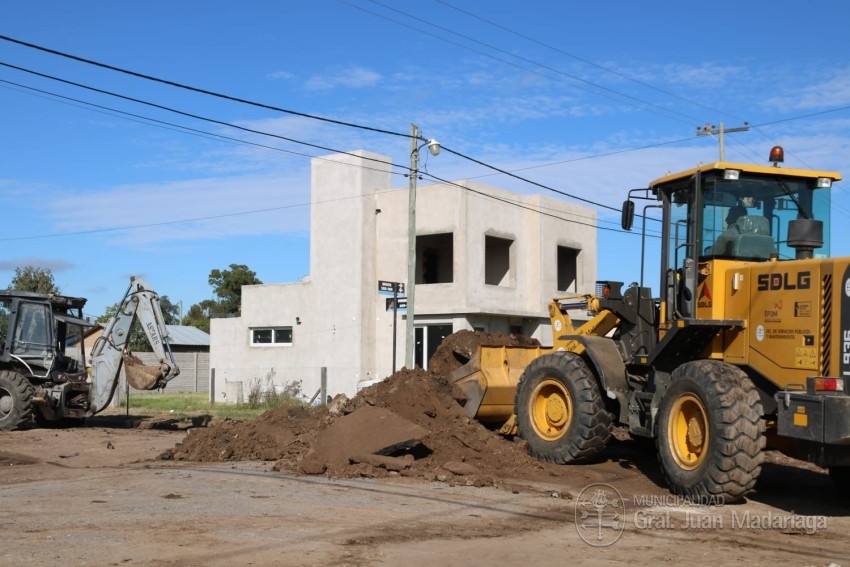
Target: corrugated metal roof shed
[[187, 336]]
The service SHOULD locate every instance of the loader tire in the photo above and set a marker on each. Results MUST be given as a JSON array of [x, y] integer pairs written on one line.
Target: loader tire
[[710, 432], [841, 478], [560, 411], [15, 400]]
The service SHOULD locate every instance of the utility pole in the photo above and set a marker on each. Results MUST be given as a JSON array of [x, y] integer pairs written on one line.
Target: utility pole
[[434, 150], [709, 130], [410, 333]]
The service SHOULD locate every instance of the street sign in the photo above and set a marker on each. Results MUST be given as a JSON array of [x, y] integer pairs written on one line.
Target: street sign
[[395, 303], [390, 288]]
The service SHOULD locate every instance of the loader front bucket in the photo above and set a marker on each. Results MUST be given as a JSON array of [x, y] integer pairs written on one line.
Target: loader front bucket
[[141, 376], [489, 380]]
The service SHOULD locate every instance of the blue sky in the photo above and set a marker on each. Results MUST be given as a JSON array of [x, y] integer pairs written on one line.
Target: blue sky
[[587, 98]]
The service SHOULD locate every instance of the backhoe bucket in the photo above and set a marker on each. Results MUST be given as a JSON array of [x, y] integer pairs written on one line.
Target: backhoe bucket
[[141, 376], [489, 380]]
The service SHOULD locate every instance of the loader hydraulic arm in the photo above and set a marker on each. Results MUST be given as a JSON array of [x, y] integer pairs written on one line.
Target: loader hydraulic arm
[[110, 351]]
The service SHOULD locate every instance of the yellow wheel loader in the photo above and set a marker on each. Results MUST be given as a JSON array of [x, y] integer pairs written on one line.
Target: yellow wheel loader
[[747, 347]]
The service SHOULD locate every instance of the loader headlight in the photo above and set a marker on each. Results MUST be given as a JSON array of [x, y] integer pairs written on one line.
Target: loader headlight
[[731, 174], [823, 183]]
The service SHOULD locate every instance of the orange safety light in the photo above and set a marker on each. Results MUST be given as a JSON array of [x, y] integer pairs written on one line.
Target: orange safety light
[[777, 155]]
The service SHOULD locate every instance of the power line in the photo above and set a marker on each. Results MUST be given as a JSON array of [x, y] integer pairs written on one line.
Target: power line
[[509, 174], [259, 132], [188, 114], [199, 90], [181, 128], [186, 129], [527, 207], [237, 140], [138, 118], [810, 115], [293, 206], [581, 59], [595, 156], [607, 69], [551, 69], [148, 225], [292, 140]]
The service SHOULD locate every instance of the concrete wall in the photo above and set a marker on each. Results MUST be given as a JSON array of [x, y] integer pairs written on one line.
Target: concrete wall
[[194, 371], [358, 237]]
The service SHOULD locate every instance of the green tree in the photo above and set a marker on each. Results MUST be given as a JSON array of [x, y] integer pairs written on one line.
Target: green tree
[[170, 311], [198, 315], [31, 278], [107, 315], [227, 286], [138, 339]]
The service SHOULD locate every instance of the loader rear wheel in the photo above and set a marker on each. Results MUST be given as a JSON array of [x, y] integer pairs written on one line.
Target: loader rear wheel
[[841, 478], [15, 400], [560, 411], [710, 433]]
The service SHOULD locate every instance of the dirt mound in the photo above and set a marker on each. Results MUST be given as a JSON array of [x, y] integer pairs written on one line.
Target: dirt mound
[[439, 442], [274, 435], [458, 348]]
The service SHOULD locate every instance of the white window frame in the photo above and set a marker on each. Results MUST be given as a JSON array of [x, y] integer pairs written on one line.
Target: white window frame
[[273, 331]]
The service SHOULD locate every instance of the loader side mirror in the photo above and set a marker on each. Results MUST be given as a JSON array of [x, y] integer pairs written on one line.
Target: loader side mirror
[[628, 215]]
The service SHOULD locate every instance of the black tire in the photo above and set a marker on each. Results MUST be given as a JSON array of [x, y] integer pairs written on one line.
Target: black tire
[[841, 478], [710, 432], [560, 411], [15, 400]]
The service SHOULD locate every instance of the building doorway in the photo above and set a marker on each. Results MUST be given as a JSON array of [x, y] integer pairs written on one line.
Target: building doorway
[[428, 338]]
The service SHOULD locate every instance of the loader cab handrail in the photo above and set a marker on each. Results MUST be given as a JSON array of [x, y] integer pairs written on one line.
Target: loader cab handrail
[[627, 218]]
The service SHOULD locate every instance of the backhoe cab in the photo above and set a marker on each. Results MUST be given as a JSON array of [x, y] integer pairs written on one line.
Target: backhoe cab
[[43, 370]]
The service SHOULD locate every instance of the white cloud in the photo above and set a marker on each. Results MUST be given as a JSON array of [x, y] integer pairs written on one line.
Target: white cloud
[[281, 75], [702, 76], [352, 78], [212, 208], [829, 92]]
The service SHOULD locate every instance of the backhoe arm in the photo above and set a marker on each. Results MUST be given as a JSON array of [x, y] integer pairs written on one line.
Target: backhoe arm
[[110, 351]]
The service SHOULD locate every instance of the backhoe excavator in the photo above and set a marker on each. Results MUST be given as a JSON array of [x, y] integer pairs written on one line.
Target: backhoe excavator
[[746, 348], [43, 373]]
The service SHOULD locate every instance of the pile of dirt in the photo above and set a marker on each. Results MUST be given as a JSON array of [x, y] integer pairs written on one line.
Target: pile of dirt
[[283, 433], [410, 424]]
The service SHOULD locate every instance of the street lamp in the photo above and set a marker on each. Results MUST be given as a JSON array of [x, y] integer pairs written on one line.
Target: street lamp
[[415, 146]]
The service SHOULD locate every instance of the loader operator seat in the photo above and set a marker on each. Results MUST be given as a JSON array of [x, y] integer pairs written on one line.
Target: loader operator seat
[[746, 236], [753, 240]]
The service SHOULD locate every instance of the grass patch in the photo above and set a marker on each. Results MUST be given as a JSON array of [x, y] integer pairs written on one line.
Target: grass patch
[[181, 405]]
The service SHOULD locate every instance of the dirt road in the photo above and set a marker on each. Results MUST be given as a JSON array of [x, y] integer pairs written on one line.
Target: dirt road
[[99, 495]]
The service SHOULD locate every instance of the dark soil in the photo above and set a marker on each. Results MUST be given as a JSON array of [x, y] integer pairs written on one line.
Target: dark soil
[[446, 445]]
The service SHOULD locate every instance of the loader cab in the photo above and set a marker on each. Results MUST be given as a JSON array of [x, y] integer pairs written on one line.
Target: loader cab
[[722, 214]]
